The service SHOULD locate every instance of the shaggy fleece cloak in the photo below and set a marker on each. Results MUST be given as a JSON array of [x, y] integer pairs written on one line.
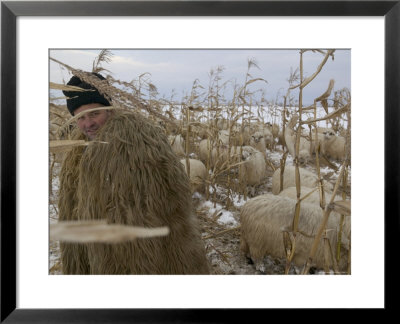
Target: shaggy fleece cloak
[[136, 180]]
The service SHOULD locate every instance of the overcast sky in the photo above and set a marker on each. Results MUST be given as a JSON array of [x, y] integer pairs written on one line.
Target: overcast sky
[[177, 69]]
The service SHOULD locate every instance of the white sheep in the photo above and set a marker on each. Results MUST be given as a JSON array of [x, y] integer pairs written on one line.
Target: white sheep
[[268, 137], [290, 140], [257, 140], [291, 192], [264, 129], [322, 130], [254, 167], [240, 137], [198, 174], [316, 139], [177, 143], [265, 217], [204, 148], [223, 136], [273, 128], [304, 148], [222, 123], [280, 139], [313, 198], [307, 179], [200, 130], [333, 146]]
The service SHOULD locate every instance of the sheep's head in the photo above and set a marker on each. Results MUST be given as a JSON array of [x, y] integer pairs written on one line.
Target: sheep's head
[[247, 152], [329, 135], [257, 137], [304, 157]]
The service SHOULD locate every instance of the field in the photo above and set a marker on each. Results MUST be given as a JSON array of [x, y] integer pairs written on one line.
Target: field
[[224, 124], [220, 228]]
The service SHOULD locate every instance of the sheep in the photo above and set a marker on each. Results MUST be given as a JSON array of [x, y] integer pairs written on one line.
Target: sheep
[[307, 179], [268, 137], [200, 130], [240, 137], [257, 141], [223, 153], [177, 143], [273, 128], [304, 149], [313, 198], [255, 166], [280, 139], [223, 136], [204, 147], [222, 123], [291, 192], [316, 139], [333, 146], [204, 151], [198, 174], [322, 130], [249, 130], [290, 139], [265, 217]]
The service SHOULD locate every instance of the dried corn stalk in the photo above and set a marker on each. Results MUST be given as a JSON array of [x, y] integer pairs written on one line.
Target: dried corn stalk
[[100, 231]]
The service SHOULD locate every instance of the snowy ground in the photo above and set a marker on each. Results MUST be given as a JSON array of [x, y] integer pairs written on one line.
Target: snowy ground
[[219, 227]]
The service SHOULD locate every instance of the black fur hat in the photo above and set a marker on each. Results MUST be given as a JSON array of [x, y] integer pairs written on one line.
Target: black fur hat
[[78, 98]]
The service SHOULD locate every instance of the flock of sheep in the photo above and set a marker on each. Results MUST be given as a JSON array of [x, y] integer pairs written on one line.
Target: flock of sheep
[[243, 153], [264, 217]]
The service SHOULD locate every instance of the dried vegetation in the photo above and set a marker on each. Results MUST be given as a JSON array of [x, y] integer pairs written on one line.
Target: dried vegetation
[[220, 132]]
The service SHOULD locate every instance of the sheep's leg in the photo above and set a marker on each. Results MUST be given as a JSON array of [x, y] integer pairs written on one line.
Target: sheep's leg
[[257, 256], [260, 266], [244, 247], [251, 191]]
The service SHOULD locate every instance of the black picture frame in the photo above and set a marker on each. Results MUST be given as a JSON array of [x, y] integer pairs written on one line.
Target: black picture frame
[[10, 10]]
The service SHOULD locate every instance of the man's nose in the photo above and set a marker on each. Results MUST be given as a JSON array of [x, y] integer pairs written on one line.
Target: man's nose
[[89, 122]]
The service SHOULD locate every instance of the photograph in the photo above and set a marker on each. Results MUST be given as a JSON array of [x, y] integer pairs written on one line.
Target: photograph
[[192, 161], [200, 161]]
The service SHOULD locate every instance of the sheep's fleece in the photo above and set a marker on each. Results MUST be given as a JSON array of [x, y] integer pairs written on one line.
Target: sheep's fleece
[[135, 179], [264, 217]]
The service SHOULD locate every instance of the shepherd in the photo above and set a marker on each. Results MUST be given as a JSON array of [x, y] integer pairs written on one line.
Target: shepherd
[[129, 175]]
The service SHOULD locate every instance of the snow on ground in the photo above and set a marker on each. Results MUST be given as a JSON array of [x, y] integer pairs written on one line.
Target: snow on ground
[[224, 217]]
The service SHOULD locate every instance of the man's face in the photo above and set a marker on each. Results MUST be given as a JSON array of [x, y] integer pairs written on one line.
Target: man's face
[[92, 121]]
